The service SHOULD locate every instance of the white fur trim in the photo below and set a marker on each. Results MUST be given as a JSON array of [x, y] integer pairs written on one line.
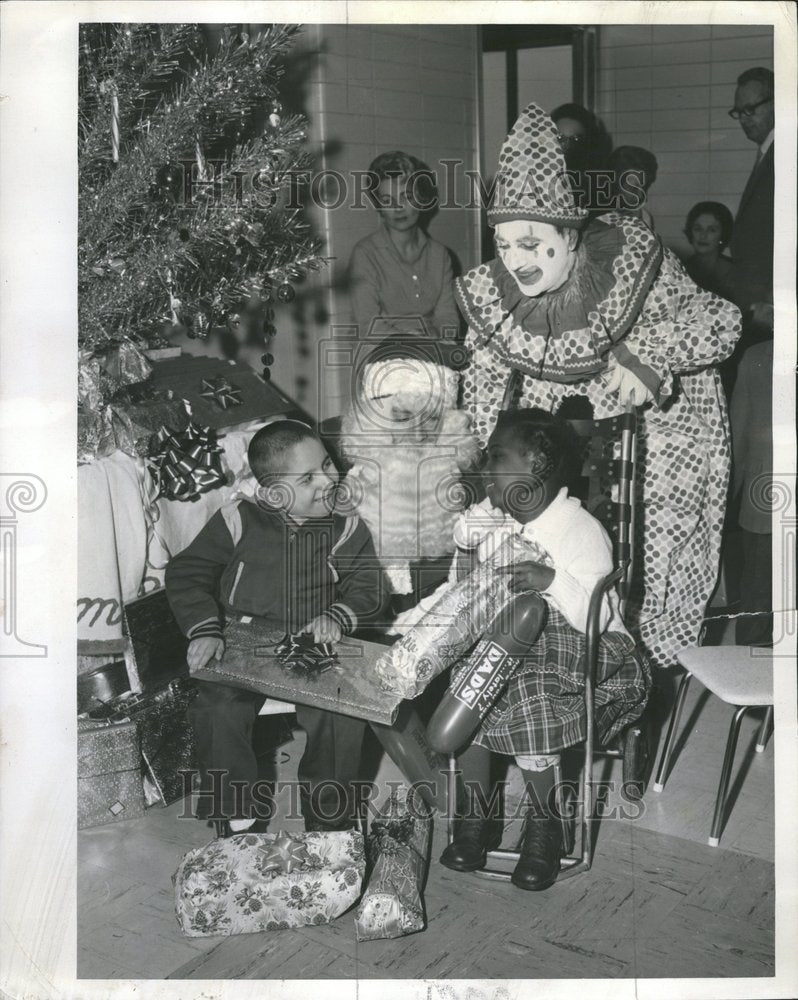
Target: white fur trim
[[436, 383]]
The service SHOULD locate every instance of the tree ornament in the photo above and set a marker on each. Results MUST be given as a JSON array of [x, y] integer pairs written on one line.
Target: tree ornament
[[108, 89], [234, 322], [286, 293], [269, 329], [275, 115], [267, 359]]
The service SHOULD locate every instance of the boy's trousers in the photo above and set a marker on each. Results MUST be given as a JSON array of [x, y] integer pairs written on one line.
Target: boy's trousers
[[223, 718]]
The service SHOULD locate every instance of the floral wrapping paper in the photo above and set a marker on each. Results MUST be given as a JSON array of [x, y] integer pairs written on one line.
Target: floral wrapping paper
[[392, 905], [451, 626], [109, 773], [226, 886]]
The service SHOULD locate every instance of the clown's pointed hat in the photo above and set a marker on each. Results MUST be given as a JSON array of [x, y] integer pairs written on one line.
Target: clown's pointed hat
[[531, 182]]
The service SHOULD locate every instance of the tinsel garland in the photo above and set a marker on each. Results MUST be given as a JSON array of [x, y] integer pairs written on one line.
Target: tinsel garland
[[222, 238]]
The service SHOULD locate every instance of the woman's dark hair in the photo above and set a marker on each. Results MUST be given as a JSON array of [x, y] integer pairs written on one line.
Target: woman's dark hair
[[545, 437], [422, 185], [716, 209]]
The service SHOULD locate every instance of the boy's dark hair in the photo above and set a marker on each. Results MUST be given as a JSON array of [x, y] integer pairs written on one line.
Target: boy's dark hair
[[627, 158], [270, 443], [547, 438]]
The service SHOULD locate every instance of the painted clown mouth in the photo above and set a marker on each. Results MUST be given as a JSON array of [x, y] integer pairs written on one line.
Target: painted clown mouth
[[528, 276]]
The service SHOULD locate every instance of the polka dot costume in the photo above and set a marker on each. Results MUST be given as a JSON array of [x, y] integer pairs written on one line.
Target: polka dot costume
[[680, 333]]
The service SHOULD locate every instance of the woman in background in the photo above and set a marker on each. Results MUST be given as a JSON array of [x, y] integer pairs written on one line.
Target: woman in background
[[586, 147], [400, 279], [709, 229], [634, 170]]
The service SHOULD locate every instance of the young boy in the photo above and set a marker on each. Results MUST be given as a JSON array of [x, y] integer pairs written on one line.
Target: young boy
[[542, 709], [284, 556]]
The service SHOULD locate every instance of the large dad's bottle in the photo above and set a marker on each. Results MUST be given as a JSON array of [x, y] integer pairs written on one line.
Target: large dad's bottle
[[489, 668]]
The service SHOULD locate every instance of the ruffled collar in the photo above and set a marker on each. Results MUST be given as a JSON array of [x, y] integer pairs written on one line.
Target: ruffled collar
[[564, 335], [566, 308]]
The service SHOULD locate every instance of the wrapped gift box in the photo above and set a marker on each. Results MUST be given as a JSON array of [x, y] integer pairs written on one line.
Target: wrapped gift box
[[261, 882], [399, 847], [251, 661], [165, 736], [249, 397], [109, 773]]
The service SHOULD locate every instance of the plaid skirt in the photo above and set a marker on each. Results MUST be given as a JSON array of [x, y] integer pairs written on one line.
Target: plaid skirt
[[542, 710]]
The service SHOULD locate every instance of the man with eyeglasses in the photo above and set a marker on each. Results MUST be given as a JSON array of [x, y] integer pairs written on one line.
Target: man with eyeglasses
[[752, 242]]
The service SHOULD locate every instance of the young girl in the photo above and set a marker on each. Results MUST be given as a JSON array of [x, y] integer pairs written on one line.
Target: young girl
[[542, 711]]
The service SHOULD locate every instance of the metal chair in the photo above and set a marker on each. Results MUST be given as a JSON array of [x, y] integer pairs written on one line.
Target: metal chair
[[739, 675], [608, 469]]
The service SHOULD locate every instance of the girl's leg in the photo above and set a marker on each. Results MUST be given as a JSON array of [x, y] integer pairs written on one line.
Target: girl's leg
[[478, 827], [541, 848]]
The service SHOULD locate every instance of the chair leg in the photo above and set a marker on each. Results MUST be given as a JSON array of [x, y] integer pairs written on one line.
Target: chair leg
[[723, 787], [451, 796], [765, 730], [670, 739]]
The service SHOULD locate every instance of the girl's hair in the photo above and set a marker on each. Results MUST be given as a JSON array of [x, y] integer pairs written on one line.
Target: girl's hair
[[545, 437], [716, 209], [269, 445], [421, 180]]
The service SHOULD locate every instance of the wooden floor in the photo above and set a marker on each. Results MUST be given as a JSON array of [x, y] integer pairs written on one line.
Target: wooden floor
[[659, 902]]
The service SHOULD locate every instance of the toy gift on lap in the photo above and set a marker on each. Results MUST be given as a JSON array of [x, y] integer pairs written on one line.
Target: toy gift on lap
[[278, 572]]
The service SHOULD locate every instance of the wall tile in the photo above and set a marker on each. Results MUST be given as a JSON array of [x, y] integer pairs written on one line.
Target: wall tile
[[624, 56], [396, 104], [685, 118], [443, 109], [360, 100], [679, 97], [632, 121], [729, 182], [741, 30], [728, 71], [635, 100], [681, 140], [679, 32], [676, 53], [682, 161], [683, 75], [390, 46], [432, 81], [632, 79], [756, 50], [624, 34], [392, 133]]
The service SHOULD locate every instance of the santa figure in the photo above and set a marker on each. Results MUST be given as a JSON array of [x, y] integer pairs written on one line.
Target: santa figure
[[410, 447]]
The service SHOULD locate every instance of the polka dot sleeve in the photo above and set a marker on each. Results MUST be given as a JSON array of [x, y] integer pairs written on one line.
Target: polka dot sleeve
[[484, 383], [681, 328]]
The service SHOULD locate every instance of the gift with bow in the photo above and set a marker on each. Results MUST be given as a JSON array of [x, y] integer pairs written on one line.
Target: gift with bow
[[284, 855], [220, 391], [186, 464]]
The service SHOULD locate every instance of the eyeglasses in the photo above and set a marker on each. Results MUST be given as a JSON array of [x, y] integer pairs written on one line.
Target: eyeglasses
[[569, 140], [749, 110]]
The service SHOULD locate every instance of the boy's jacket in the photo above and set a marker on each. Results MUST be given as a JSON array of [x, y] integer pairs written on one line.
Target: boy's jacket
[[253, 561]]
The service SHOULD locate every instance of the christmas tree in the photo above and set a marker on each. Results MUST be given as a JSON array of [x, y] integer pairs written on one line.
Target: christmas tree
[[187, 214]]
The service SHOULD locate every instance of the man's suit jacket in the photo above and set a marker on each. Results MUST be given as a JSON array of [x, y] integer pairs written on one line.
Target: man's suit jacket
[[752, 242]]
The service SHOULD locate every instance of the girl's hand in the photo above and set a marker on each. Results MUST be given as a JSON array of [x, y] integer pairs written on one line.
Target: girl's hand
[[202, 651], [527, 576], [324, 629]]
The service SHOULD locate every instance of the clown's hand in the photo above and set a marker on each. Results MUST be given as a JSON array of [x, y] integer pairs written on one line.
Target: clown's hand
[[629, 387]]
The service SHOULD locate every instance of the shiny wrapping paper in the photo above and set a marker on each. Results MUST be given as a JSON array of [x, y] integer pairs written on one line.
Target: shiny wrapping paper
[[451, 625], [109, 773], [393, 905], [251, 661], [167, 739], [233, 886]]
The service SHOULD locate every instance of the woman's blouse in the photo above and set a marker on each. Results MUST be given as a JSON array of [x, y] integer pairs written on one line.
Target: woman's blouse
[[388, 294]]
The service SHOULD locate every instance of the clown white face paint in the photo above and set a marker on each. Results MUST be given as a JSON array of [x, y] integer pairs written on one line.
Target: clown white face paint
[[535, 254]]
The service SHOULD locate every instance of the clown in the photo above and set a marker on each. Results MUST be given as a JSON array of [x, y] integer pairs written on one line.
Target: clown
[[409, 446], [602, 311]]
